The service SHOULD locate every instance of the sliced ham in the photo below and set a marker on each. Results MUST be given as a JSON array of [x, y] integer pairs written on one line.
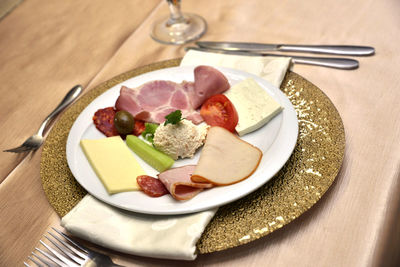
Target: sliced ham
[[154, 100], [178, 182], [208, 81]]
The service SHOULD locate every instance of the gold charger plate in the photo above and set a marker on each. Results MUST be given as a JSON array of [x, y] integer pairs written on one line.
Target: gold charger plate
[[302, 181]]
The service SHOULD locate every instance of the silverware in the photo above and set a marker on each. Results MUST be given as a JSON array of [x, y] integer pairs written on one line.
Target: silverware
[[36, 140], [346, 50], [331, 62], [68, 253]]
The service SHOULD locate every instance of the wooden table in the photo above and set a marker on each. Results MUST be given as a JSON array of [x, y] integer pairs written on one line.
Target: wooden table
[[46, 47]]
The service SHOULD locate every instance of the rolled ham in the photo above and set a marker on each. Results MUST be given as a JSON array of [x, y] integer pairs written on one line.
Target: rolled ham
[[208, 81], [178, 182]]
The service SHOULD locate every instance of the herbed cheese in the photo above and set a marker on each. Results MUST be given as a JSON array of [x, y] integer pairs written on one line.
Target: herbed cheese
[[180, 140], [255, 107]]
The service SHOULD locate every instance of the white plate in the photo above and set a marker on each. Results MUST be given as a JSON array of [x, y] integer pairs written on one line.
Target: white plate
[[276, 139]]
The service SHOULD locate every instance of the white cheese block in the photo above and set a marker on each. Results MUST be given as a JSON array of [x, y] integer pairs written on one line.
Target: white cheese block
[[255, 107]]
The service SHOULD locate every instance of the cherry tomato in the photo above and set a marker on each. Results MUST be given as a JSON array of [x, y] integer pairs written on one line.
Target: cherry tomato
[[138, 128], [218, 110]]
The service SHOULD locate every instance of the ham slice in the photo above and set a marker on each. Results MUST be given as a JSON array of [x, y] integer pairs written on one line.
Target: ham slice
[[178, 182], [208, 81], [154, 100]]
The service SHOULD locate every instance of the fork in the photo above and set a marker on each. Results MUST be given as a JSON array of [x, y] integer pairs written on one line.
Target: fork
[[36, 140], [68, 253]]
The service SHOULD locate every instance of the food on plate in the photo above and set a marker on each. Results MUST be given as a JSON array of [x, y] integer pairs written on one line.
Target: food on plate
[[180, 140], [103, 119], [225, 158], [208, 81], [113, 163], [178, 183], [124, 122], [152, 101], [253, 104], [164, 112], [174, 117], [219, 111], [151, 186], [149, 131], [152, 156]]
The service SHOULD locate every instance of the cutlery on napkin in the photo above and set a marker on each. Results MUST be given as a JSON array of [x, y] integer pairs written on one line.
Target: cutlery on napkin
[[345, 50], [173, 236]]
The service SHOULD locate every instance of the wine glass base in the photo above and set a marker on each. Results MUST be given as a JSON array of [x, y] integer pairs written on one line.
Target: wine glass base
[[189, 29]]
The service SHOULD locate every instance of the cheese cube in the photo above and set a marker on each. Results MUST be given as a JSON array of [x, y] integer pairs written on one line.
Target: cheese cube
[[113, 163], [255, 107]]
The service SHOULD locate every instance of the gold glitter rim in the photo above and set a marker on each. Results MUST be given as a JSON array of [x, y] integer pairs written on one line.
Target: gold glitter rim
[[302, 181]]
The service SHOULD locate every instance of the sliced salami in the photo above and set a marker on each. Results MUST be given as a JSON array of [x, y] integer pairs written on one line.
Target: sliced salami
[[104, 121], [151, 186]]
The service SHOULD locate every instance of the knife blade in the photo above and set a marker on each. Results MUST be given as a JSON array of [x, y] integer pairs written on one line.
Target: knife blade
[[347, 50], [330, 62]]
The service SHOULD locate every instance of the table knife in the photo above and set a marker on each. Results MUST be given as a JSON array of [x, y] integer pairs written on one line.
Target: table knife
[[331, 62], [347, 50]]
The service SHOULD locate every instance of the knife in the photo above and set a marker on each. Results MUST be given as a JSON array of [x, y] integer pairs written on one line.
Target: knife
[[347, 50], [331, 62]]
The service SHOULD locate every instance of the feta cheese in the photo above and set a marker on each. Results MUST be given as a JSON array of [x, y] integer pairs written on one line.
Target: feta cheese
[[255, 107], [180, 140]]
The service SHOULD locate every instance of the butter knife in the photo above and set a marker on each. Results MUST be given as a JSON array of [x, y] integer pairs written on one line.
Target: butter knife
[[331, 62], [346, 50]]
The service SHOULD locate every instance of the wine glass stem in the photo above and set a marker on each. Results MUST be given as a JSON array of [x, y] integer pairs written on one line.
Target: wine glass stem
[[175, 10]]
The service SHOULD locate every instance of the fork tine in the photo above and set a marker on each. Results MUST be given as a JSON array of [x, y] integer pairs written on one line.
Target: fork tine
[[53, 259], [76, 251], [34, 261], [65, 249], [59, 255], [72, 241], [26, 264]]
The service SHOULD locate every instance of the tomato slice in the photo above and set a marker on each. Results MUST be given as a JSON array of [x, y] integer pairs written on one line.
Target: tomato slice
[[218, 110]]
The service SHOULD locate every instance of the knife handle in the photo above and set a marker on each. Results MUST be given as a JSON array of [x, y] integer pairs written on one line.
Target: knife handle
[[347, 50], [337, 63]]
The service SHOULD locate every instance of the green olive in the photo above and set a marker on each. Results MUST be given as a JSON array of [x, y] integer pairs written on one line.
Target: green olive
[[124, 122]]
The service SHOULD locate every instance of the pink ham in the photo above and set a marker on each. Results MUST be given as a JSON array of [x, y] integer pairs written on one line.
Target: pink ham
[[154, 100], [208, 81], [178, 183]]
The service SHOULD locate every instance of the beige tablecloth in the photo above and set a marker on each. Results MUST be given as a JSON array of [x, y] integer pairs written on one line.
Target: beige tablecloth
[[46, 47]]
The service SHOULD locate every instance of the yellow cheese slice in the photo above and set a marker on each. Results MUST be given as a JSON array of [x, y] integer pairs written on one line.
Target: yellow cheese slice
[[113, 163], [255, 107]]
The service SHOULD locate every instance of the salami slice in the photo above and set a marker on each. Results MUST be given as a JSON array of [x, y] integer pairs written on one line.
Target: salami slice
[[151, 186], [104, 121]]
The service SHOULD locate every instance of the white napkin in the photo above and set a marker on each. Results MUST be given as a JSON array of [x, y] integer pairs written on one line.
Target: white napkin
[[169, 237]]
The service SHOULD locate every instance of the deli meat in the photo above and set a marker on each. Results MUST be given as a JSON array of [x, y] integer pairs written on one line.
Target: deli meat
[[208, 81], [154, 100], [151, 186], [178, 183]]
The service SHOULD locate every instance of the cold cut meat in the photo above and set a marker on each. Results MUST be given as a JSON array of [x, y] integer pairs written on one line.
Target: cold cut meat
[[208, 81], [177, 181], [104, 121], [154, 100], [151, 186]]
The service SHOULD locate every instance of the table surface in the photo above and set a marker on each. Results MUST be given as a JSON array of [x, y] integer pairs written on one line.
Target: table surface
[[46, 47]]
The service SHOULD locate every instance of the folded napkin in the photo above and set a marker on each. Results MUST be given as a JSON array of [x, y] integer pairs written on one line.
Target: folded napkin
[[169, 237]]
